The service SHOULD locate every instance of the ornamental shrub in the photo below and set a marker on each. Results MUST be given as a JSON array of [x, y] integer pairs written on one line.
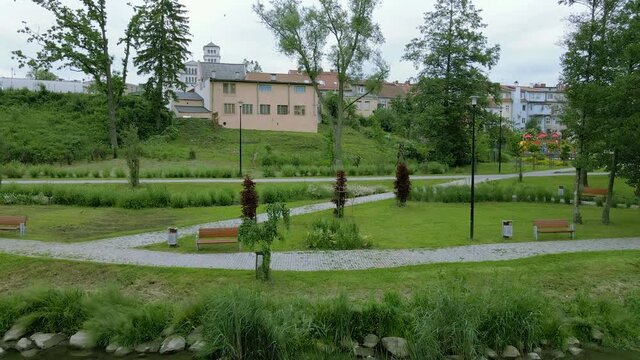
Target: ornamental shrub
[[402, 185]]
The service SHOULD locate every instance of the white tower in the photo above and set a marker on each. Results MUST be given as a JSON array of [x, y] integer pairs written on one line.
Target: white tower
[[211, 53]]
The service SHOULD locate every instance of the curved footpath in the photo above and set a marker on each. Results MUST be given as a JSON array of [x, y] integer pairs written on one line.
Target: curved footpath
[[122, 250]]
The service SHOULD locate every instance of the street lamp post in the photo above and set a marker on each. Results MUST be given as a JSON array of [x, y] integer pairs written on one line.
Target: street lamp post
[[240, 107], [474, 103], [500, 144]]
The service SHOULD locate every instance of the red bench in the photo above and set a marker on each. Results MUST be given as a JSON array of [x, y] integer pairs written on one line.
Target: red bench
[[216, 236], [552, 226], [593, 192]]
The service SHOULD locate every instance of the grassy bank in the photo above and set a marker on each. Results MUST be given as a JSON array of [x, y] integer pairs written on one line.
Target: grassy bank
[[440, 309]]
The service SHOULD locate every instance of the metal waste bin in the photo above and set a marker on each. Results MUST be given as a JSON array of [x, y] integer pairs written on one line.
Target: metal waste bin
[[507, 229], [561, 191], [172, 236], [259, 261]]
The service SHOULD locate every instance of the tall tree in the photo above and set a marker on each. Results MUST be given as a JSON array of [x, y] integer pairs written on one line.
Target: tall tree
[[452, 55], [161, 45], [78, 41], [619, 110], [302, 32], [252, 65], [586, 72], [41, 74]]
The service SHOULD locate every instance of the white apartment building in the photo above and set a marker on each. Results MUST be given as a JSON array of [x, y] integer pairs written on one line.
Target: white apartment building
[[538, 101]]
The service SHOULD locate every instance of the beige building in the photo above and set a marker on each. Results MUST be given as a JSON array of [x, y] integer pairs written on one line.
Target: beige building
[[269, 102]]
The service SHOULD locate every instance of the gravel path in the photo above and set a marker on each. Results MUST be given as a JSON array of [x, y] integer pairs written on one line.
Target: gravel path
[[122, 250]]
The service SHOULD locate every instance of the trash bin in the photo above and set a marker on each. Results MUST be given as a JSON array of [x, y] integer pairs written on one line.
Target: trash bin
[[172, 236], [259, 262], [507, 229], [561, 191]]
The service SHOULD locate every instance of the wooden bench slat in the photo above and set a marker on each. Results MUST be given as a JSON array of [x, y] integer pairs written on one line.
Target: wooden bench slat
[[13, 220], [587, 191], [217, 236], [552, 226]]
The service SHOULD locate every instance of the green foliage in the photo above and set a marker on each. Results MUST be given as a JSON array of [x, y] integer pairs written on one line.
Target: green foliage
[[252, 233], [249, 199], [132, 153], [451, 31], [335, 234], [52, 311]]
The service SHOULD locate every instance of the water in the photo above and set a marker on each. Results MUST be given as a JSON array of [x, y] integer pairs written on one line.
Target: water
[[62, 353], [606, 354]]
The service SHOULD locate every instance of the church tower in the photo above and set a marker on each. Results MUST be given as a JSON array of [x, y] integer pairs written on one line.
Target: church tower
[[211, 53]]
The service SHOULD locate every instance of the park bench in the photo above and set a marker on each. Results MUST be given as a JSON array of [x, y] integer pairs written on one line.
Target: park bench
[[13, 223], [594, 192], [216, 236], [552, 226]]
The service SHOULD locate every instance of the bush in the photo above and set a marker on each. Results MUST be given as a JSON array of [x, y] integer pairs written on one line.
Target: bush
[[434, 167], [335, 235]]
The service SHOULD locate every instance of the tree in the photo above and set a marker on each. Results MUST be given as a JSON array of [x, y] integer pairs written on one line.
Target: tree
[[253, 234], [340, 194], [452, 54], [41, 74], [249, 198], [132, 153], [586, 68], [78, 41], [252, 66], [161, 46], [533, 124], [402, 184], [302, 33], [516, 148]]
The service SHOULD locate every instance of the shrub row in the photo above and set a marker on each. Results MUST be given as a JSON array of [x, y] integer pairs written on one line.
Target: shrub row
[[437, 323], [496, 192], [159, 197]]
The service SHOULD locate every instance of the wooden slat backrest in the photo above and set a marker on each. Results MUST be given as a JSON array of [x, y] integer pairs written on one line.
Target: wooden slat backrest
[[552, 223], [13, 220], [217, 232], [594, 191]]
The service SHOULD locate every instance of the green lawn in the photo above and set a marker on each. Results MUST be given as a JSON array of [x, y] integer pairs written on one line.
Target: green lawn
[[436, 225], [72, 224], [621, 188], [607, 273]]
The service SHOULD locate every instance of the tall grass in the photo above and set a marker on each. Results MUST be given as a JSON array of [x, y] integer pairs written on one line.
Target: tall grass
[[244, 324]]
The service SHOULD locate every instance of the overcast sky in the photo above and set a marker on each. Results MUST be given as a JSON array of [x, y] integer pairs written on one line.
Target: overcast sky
[[528, 32]]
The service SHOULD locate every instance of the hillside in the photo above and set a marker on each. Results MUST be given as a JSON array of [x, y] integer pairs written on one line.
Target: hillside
[[68, 132]]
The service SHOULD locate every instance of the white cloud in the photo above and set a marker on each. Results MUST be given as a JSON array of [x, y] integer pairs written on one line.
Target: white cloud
[[527, 30]]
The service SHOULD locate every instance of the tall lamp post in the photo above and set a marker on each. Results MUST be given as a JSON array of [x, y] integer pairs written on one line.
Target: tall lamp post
[[240, 107], [500, 144], [474, 103]]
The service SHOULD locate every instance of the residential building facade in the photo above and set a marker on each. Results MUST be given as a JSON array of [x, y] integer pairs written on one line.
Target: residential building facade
[[520, 104]]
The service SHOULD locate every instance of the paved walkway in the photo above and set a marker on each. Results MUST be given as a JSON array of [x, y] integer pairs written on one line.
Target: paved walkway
[[122, 250]]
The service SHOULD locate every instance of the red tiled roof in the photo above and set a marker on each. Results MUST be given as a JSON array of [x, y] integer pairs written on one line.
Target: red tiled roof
[[286, 78]]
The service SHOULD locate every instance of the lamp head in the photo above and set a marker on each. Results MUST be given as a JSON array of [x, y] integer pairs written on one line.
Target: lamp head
[[474, 100]]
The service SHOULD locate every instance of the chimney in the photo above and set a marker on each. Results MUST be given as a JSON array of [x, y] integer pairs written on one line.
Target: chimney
[[273, 77], [213, 74]]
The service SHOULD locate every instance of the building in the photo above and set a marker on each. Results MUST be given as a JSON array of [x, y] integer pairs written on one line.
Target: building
[[59, 86], [366, 104], [520, 104]]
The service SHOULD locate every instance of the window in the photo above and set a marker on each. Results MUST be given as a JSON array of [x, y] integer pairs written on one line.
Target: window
[[524, 107], [507, 108], [380, 105], [265, 109], [283, 109], [264, 88], [299, 89], [299, 110], [247, 109], [229, 88], [229, 108], [361, 89], [367, 105]]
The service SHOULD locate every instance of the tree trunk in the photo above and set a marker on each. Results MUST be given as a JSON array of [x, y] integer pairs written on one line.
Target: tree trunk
[[337, 128], [520, 169], [583, 178], [577, 217], [111, 106], [612, 177]]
